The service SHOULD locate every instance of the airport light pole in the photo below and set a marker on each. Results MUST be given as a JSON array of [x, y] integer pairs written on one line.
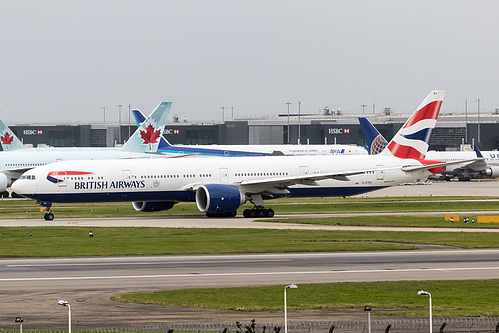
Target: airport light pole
[[368, 309], [20, 321], [104, 108], [129, 116], [291, 286], [63, 302], [363, 106], [478, 134], [466, 120], [422, 292], [299, 123], [288, 103], [119, 122], [223, 112]]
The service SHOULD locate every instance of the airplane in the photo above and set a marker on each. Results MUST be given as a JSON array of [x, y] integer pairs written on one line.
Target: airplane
[[17, 159], [253, 150], [488, 167], [219, 185]]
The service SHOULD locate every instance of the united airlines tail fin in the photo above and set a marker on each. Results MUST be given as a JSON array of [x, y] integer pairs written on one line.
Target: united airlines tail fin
[[375, 142], [139, 119], [8, 139], [147, 136], [413, 139]]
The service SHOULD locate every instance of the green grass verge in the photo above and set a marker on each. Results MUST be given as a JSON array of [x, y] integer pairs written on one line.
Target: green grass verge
[[28, 209], [470, 298], [426, 221], [46, 241]]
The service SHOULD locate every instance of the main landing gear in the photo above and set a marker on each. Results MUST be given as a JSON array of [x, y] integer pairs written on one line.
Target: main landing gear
[[258, 211], [47, 209]]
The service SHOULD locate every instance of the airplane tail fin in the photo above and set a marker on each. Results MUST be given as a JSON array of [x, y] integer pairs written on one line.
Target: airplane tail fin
[[375, 142], [8, 139], [147, 136], [139, 119], [413, 139]]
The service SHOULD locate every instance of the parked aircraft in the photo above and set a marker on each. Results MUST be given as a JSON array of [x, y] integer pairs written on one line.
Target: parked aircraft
[[253, 150], [219, 185], [489, 166], [17, 159]]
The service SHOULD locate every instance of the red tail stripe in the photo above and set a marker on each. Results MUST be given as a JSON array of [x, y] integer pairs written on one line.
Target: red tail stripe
[[429, 111], [402, 151]]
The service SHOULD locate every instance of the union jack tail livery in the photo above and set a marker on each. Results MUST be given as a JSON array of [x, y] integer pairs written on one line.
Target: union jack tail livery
[[413, 139]]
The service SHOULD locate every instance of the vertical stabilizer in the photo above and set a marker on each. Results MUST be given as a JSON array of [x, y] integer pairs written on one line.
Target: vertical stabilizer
[[413, 139], [375, 142], [139, 119], [147, 136], [8, 139]]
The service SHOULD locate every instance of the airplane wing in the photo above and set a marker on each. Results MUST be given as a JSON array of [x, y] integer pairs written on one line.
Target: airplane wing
[[411, 168]]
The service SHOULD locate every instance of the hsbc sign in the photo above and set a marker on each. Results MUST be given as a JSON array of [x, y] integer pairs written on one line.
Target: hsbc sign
[[169, 131], [32, 132], [339, 131]]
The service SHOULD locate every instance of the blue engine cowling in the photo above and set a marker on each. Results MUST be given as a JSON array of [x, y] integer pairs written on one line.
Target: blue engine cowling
[[152, 206], [218, 198]]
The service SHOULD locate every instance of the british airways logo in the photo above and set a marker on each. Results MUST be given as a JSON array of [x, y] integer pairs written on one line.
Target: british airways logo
[[57, 177], [60, 176]]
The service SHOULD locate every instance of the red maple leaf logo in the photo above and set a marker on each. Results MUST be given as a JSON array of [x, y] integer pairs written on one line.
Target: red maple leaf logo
[[150, 135], [6, 139]]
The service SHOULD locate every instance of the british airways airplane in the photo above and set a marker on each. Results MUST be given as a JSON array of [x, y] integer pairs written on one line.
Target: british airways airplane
[[219, 185], [253, 150], [487, 166], [17, 159]]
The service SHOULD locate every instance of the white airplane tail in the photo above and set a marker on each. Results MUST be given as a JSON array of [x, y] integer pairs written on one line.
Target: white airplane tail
[[147, 137], [8, 139], [413, 139]]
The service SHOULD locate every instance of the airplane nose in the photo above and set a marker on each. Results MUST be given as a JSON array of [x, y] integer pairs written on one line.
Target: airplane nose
[[16, 187]]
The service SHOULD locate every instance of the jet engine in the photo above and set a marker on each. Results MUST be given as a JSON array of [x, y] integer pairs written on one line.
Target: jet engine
[[4, 182], [219, 198], [491, 171], [152, 206]]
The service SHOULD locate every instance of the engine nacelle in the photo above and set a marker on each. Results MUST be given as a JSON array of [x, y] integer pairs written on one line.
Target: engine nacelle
[[152, 206], [219, 198], [491, 171], [4, 182]]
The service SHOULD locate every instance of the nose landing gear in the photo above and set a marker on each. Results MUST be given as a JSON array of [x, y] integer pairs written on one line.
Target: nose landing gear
[[47, 209]]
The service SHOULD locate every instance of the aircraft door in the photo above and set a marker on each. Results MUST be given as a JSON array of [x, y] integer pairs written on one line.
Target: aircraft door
[[127, 175], [61, 179], [224, 175], [304, 170], [380, 174]]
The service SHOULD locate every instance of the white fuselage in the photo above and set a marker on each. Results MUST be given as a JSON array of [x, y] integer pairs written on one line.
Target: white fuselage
[[176, 179]]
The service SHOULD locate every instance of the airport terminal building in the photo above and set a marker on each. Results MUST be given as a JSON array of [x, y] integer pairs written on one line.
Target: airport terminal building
[[451, 132]]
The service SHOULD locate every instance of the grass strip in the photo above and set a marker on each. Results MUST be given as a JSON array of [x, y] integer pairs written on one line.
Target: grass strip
[[107, 241], [468, 298], [421, 221]]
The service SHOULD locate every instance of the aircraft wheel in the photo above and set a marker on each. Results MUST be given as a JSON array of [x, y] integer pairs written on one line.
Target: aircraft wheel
[[261, 212], [5, 194], [270, 212], [246, 213], [48, 217]]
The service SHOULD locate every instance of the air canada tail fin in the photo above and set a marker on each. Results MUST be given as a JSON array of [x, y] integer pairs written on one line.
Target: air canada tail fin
[[8, 139], [139, 119], [413, 139], [375, 142], [147, 136]]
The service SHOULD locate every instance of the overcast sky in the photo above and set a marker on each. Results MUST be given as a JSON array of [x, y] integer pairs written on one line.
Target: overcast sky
[[63, 60]]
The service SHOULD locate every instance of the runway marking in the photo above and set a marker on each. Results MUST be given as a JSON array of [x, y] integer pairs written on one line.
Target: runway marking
[[250, 274], [150, 263]]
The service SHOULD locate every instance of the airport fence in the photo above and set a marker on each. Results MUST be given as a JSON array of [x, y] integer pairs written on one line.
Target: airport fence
[[442, 325]]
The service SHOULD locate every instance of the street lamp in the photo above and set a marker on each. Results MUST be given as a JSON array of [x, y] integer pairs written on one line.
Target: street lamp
[[63, 302], [20, 321], [368, 309], [291, 286], [422, 292]]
